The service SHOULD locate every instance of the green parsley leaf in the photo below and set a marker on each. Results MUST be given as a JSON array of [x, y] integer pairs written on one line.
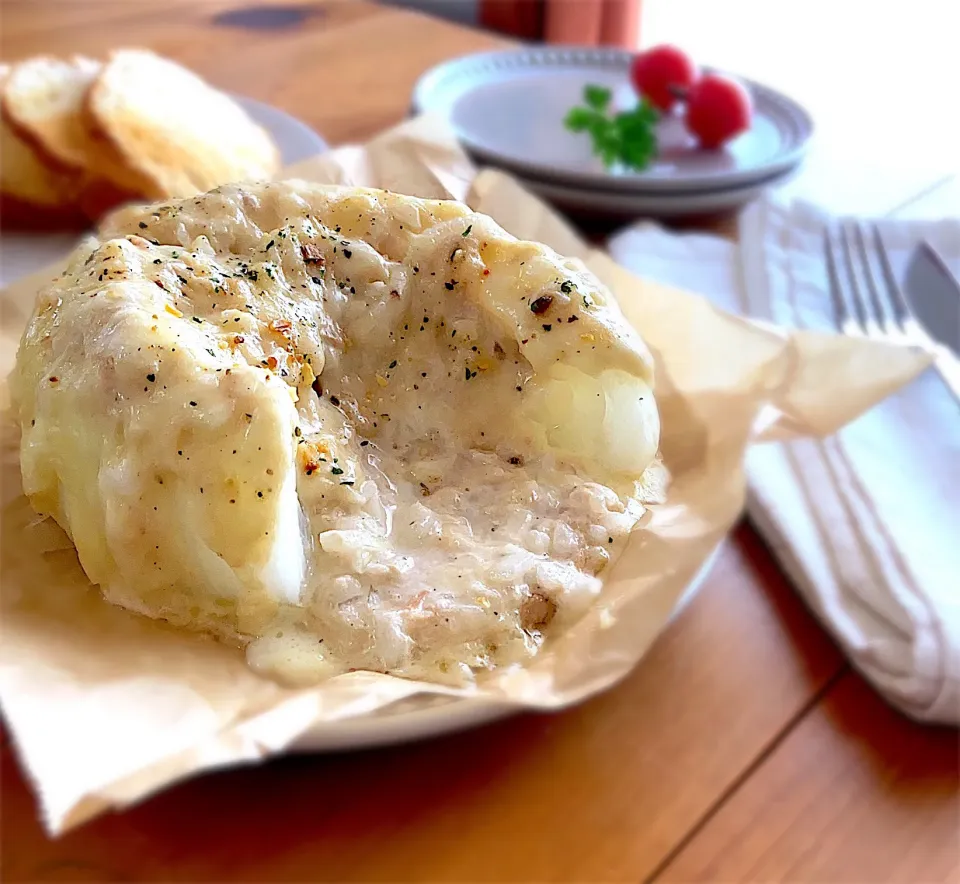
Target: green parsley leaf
[[597, 97], [580, 119], [628, 137]]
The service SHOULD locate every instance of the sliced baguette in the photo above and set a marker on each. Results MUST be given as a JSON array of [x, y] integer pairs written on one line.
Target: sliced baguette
[[169, 125], [44, 98], [28, 184]]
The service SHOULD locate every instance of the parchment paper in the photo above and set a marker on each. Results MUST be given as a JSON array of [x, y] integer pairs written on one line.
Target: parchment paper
[[106, 707]]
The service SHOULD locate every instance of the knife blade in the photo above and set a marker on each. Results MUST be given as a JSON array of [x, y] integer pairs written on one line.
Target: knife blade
[[933, 294]]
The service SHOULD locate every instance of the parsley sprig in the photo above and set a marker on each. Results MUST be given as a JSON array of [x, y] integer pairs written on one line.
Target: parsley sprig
[[627, 137]]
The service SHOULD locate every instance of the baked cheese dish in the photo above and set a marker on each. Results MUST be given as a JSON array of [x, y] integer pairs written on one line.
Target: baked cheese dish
[[344, 428]]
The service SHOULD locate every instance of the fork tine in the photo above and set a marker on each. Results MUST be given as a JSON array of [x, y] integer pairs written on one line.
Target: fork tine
[[878, 286], [843, 302], [857, 278], [869, 302], [898, 301]]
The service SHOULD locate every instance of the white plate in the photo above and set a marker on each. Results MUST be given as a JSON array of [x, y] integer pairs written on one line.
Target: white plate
[[296, 140], [508, 109], [627, 205], [23, 253]]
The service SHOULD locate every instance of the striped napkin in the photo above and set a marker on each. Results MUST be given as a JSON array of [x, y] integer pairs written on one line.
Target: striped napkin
[[866, 523]]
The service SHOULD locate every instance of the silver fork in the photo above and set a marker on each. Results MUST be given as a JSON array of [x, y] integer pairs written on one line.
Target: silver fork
[[867, 299]]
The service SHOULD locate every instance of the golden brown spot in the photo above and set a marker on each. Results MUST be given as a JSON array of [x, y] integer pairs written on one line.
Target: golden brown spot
[[536, 612], [282, 327], [312, 254]]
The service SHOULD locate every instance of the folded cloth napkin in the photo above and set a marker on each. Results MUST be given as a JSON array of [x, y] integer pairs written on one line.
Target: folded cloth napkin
[[866, 524]]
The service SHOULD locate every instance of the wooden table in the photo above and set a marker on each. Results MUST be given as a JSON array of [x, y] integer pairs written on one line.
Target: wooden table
[[743, 747]]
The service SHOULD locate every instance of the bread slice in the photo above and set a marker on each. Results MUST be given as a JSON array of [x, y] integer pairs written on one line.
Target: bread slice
[[44, 98], [27, 182], [182, 134]]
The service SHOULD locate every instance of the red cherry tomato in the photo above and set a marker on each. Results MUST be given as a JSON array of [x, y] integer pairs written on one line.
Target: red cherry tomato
[[718, 109], [658, 72]]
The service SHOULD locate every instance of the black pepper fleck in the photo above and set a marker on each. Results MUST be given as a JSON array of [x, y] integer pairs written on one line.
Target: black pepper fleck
[[540, 305]]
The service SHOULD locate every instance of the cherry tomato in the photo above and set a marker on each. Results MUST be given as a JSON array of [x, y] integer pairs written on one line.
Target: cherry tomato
[[718, 109], [661, 74]]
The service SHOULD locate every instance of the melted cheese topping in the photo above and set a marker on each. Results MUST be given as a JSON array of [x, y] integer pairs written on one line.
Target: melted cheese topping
[[346, 428]]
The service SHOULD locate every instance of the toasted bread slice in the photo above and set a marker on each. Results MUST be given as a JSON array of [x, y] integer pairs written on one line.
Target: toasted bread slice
[[182, 134], [25, 179], [44, 98]]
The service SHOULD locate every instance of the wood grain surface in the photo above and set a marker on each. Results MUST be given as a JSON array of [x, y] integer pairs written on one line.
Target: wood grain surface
[[854, 792], [742, 749]]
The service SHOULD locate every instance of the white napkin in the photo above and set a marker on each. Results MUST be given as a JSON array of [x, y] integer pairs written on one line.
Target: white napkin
[[866, 523]]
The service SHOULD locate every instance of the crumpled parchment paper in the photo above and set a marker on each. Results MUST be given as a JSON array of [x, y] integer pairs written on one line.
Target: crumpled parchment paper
[[106, 707]]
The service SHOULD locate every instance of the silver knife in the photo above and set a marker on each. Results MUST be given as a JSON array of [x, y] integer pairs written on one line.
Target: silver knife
[[933, 294]]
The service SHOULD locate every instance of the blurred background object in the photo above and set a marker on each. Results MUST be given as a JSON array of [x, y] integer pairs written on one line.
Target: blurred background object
[[561, 22], [879, 99]]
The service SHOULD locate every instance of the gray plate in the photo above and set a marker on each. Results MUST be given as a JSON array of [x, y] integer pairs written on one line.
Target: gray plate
[[508, 108], [657, 204]]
